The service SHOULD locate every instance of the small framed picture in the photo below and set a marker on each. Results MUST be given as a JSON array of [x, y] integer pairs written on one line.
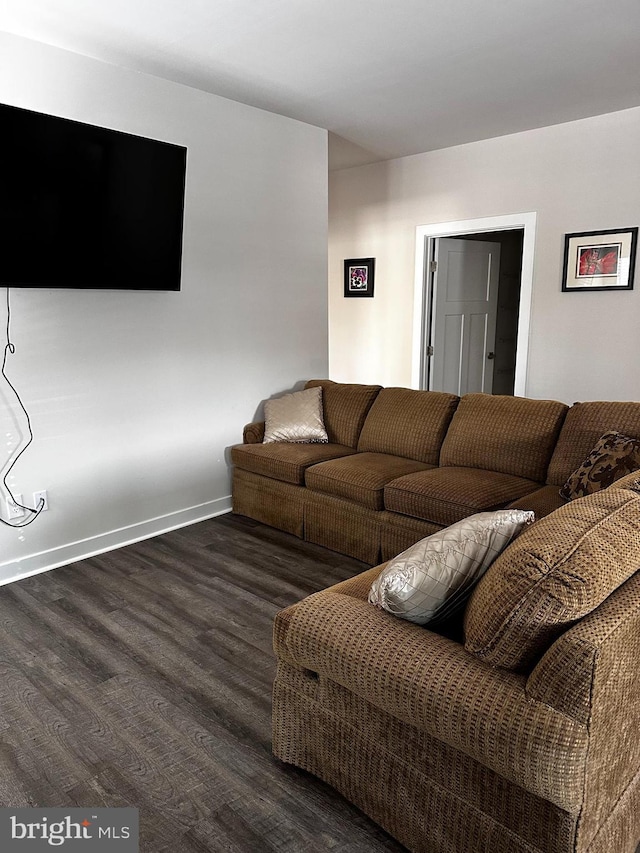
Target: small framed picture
[[358, 276], [600, 260]]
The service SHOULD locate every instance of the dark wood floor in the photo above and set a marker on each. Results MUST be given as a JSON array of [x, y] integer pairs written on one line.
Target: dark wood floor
[[143, 677]]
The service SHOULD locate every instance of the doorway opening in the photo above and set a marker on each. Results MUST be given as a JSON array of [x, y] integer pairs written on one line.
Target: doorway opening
[[472, 305]]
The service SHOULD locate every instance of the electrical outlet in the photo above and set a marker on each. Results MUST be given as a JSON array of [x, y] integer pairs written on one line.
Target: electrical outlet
[[40, 496], [13, 510]]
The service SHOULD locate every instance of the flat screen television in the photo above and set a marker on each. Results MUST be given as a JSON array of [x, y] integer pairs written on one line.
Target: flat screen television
[[86, 207]]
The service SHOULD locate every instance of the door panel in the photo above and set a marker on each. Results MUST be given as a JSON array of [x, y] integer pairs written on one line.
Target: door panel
[[477, 340], [467, 279], [451, 362], [463, 328]]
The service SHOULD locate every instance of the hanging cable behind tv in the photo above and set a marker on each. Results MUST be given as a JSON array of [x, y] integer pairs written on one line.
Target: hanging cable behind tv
[[9, 348]]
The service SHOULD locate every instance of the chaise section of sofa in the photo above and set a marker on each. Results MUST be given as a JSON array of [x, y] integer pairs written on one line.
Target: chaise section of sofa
[[451, 755], [432, 745]]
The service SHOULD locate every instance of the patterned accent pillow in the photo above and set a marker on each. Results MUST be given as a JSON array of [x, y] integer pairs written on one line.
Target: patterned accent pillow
[[432, 580], [295, 417], [613, 456]]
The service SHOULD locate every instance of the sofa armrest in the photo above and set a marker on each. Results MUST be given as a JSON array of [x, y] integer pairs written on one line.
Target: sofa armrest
[[253, 433], [432, 683], [564, 677], [591, 674]]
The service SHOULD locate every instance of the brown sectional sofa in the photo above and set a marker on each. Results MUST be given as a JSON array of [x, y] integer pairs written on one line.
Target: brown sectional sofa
[[518, 734], [452, 755], [401, 464]]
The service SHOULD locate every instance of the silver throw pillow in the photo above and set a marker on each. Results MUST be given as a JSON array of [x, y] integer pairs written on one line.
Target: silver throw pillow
[[433, 579], [295, 417]]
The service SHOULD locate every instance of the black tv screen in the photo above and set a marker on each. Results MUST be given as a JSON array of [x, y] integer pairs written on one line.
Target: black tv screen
[[87, 207]]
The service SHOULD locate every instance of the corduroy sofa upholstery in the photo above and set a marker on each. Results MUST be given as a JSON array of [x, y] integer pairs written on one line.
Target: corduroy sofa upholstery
[[401, 464], [453, 755]]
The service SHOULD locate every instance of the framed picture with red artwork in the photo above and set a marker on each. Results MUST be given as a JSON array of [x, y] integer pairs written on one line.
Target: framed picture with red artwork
[[600, 260], [358, 276]]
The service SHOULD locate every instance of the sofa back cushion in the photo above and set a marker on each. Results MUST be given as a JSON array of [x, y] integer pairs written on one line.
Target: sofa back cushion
[[512, 435], [583, 426], [558, 570], [345, 408], [408, 423]]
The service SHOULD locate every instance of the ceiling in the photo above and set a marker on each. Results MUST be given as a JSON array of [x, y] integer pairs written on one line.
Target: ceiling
[[385, 78]]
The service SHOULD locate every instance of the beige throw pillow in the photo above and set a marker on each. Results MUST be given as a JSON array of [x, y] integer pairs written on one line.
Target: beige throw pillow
[[295, 417], [613, 456], [432, 579]]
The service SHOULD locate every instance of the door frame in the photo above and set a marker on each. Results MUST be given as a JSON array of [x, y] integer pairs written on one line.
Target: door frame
[[425, 234]]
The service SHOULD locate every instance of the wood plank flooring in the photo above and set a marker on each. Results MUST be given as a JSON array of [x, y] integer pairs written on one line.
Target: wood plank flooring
[[143, 677]]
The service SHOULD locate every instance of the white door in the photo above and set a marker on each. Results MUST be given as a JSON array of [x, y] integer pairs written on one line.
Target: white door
[[463, 319]]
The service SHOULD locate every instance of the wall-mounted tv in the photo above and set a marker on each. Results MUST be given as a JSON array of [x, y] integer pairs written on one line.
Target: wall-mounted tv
[[86, 207]]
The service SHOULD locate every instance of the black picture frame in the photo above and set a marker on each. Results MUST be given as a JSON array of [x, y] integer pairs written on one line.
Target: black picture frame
[[359, 276], [599, 260]]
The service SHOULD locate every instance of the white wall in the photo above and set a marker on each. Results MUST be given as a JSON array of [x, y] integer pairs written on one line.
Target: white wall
[[580, 176], [135, 397]]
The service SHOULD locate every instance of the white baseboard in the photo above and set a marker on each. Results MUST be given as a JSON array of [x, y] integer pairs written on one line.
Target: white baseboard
[[44, 561]]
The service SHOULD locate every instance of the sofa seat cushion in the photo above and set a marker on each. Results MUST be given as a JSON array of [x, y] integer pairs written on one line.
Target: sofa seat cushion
[[284, 461], [556, 572], [446, 495], [543, 501], [360, 478]]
